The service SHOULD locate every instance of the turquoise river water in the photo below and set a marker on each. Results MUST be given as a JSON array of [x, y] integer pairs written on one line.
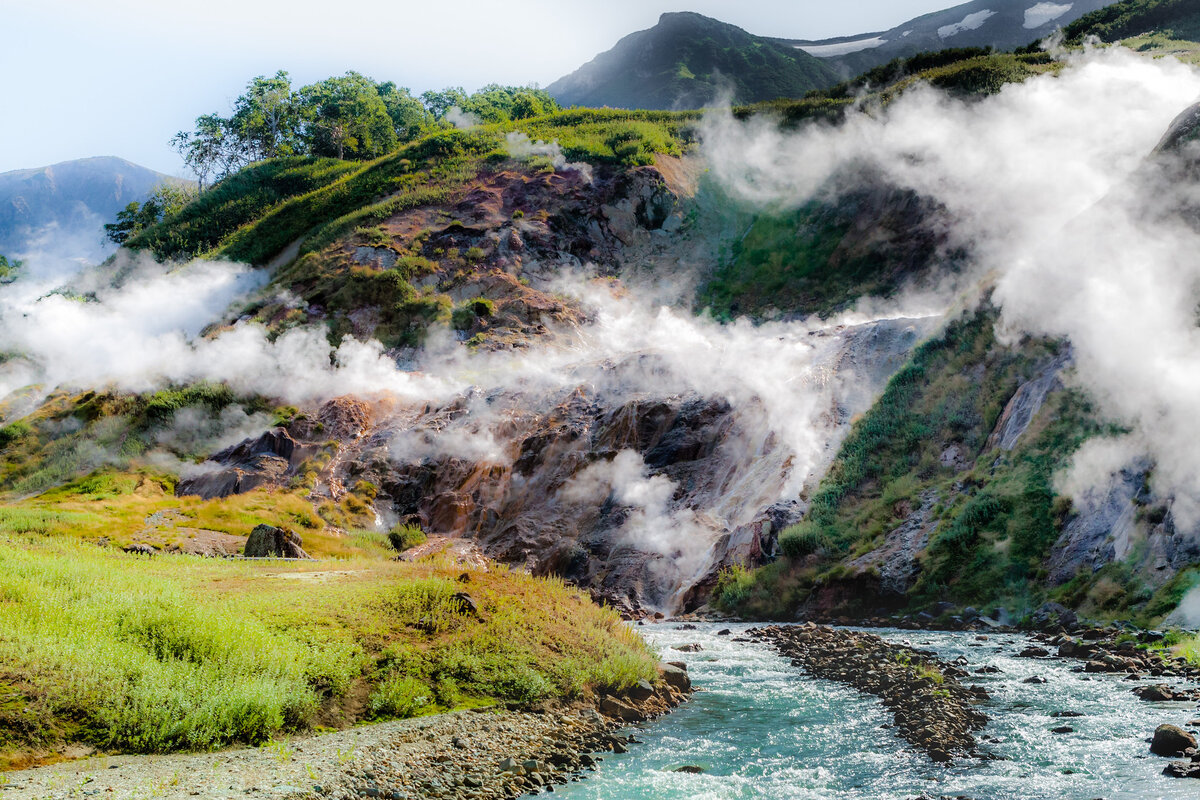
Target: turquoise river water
[[761, 729]]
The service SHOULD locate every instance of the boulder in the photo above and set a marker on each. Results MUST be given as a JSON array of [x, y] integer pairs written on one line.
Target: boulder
[[641, 691], [619, 709], [465, 604], [1182, 769], [675, 677], [1054, 614], [267, 541], [1155, 693], [1034, 651], [1171, 740]]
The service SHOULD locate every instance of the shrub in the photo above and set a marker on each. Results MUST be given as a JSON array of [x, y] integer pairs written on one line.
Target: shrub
[[465, 315], [14, 431], [400, 696], [800, 541], [406, 537]]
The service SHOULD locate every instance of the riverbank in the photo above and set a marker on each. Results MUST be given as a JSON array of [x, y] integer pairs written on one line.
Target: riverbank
[[466, 755]]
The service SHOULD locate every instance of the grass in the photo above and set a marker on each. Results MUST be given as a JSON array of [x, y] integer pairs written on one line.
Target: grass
[[153, 655]]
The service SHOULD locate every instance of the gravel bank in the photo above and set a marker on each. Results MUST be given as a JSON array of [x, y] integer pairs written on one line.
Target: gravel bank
[[465, 755], [933, 710]]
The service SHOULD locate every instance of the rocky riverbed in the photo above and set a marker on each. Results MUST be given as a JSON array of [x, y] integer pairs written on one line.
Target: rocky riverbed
[[933, 710], [467, 755]]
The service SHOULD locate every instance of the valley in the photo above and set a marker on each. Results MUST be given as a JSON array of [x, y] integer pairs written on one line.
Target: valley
[[832, 441]]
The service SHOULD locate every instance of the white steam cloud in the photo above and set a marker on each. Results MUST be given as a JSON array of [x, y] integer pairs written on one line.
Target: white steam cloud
[[518, 145], [146, 333], [1050, 188]]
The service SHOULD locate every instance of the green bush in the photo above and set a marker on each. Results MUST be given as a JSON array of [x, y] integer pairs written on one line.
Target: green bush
[[465, 315], [14, 431], [800, 541], [406, 537], [401, 697]]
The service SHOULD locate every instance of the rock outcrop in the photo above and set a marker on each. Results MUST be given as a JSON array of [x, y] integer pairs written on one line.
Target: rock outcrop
[[267, 541]]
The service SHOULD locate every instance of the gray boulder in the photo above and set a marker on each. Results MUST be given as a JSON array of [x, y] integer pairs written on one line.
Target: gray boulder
[[267, 541]]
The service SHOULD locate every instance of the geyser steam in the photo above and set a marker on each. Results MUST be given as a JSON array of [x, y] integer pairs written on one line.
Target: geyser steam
[[1053, 196]]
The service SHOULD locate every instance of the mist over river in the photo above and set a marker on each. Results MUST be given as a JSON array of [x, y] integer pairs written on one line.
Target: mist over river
[[759, 728]]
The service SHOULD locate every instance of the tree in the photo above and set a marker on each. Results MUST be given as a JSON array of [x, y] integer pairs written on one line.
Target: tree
[[166, 200], [345, 116], [408, 116], [208, 150], [438, 103], [266, 119]]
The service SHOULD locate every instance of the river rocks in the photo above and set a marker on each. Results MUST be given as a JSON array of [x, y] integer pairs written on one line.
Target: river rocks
[[689, 769], [1182, 769], [688, 648], [1171, 740], [1110, 650], [641, 691], [1158, 692], [675, 675], [1034, 651], [932, 710]]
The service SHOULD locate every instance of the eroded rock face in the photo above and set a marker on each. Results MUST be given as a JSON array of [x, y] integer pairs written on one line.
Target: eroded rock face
[[637, 493], [1101, 529], [248, 465], [1025, 403]]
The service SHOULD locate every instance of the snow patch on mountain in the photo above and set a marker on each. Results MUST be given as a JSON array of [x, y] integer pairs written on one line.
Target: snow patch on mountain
[[1038, 15], [969, 23], [841, 48]]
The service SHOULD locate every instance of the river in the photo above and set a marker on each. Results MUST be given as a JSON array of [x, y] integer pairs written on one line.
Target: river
[[761, 729]]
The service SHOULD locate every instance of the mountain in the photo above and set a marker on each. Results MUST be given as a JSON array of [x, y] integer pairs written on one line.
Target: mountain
[[60, 209], [1001, 24], [688, 60]]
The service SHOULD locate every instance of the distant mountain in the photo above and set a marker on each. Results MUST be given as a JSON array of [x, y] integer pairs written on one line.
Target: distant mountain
[[1002, 24], [59, 211], [686, 61]]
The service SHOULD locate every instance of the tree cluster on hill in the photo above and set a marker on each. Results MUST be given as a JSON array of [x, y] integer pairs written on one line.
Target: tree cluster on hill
[[348, 116], [164, 201]]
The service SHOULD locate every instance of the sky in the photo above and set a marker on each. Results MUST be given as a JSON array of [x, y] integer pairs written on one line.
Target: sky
[[120, 77]]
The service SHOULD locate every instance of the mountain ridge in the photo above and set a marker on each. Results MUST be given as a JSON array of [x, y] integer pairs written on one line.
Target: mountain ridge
[[62, 207], [688, 60]]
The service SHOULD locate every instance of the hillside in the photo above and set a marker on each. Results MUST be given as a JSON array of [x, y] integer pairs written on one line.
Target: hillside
[[999, 24], [60, 210], [689, 61]]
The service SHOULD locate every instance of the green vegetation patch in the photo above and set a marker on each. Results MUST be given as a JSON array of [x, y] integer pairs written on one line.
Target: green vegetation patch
[[175, 653], [996, 516]]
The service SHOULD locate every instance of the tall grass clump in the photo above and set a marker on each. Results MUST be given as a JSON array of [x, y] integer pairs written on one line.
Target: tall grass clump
[[148, 666]]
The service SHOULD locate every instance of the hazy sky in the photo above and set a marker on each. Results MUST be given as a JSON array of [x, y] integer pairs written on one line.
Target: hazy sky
[[119, 77]]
